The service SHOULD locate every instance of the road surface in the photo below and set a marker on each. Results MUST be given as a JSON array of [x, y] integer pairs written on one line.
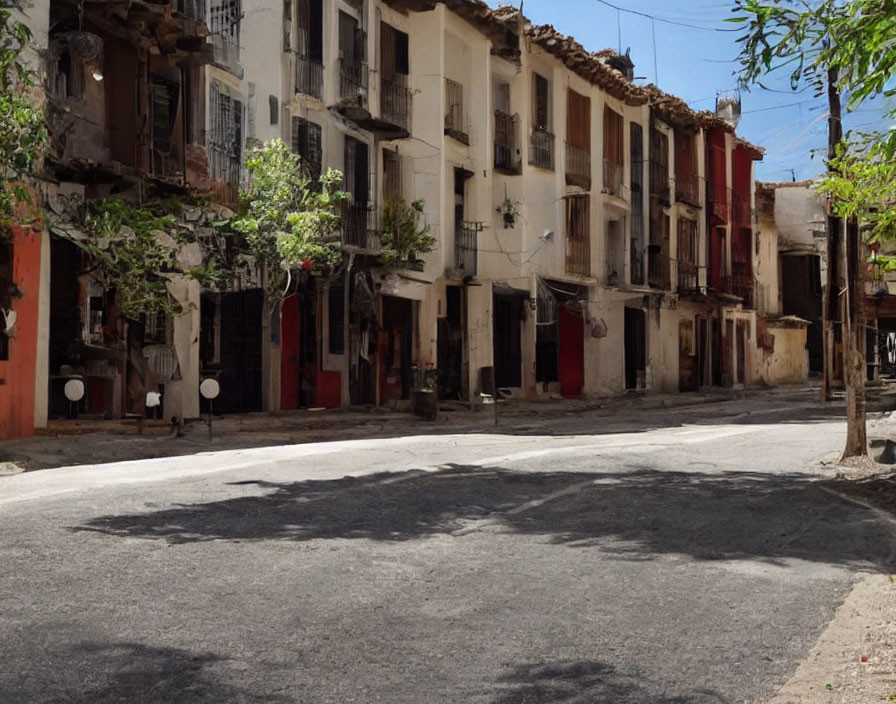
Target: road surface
[[687, 564]]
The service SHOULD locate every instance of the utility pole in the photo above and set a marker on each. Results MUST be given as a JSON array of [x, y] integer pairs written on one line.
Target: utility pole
[[833, 332]]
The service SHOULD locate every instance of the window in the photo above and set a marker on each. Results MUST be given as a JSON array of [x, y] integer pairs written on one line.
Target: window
[[391, 175], [578, 235], [395, 66], [225, 138], [65, 71], [578, 140], [224, 27], [307, 142], [287, 25], [155, 328], [310, 48], [613, 144], [542, 104]]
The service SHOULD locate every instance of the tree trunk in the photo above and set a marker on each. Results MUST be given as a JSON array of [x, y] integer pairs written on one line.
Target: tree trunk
[[832, 329], [854, 367]]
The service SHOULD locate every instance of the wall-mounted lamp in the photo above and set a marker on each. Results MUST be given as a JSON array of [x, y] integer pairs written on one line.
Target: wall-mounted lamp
[[548, 235]]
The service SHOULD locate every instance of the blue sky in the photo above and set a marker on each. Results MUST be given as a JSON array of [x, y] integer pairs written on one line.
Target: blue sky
[[695, 63]]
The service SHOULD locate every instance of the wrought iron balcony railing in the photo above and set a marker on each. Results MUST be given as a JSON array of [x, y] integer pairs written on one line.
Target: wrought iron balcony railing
[[395, 101], [578, 166], [466, 236], [541, 148], [353, 81], [361, 226], [309, 77], [507, 143], [613, 179], [578, 256], [687, 188]]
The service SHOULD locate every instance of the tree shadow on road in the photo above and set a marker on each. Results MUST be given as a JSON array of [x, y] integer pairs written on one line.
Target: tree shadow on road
[[635, 515], [585, 682], [90, 672]]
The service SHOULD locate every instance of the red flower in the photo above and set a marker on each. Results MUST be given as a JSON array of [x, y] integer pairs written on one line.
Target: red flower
[[306, 264]]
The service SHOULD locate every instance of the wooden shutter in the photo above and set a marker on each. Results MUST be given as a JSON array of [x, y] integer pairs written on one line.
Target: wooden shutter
[[578, 121], [387, 50], [612, 136]]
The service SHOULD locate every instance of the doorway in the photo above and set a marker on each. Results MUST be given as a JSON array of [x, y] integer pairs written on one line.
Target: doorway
[[635, 348], [507, 337], [571, 349], [451, 345], [395, 351]]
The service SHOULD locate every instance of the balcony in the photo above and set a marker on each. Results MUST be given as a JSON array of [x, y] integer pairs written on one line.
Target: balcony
[[578, 256], [353, 83], [507, 143], [659, 270], [614, 267], [659, 182], [613, 179], [395, 103], [361, 226], [541, 149], [578, 166], [455, 116], [309, 77], [688, 277], [741, 286], [466, 236], [687, 188]]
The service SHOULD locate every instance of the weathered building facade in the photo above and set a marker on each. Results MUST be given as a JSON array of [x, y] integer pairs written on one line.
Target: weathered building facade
[[593, 236]]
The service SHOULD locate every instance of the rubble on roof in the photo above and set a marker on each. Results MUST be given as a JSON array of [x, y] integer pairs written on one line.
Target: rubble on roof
[[592, 67], [600, 68]]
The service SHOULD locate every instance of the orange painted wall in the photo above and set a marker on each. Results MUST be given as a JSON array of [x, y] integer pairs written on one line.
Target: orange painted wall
[[18, 373]]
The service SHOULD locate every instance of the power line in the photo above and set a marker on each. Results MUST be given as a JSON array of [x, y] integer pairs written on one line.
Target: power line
[[663, 19]]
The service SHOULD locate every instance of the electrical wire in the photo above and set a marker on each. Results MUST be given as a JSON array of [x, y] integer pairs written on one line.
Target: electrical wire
[[665, 20]]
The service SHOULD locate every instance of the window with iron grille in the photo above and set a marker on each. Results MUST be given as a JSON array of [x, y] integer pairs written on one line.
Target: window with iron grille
[[224, 20], [225, 139], [309, 48], [578, 235], [307, 142], [541, 105]]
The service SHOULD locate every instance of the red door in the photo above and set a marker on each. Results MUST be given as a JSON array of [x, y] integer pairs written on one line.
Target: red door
[[289, 354], [571, 353]]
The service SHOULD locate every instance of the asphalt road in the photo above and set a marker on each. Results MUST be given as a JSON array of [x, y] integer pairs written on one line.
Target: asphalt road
[[685, 564]]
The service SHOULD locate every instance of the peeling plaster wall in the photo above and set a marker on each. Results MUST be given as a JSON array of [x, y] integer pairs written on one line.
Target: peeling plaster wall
[[789, 362]]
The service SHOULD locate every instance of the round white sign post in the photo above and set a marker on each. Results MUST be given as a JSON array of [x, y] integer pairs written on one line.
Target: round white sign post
[[209, 388], [74, 392]]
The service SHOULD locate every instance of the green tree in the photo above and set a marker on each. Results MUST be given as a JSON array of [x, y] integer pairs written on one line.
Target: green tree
[[821, 45], [24, 134], [290, 222]]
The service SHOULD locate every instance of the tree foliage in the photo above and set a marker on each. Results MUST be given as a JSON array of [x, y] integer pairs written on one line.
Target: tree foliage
[[136, 250], [290, 222], [24, 134], [405, 238]]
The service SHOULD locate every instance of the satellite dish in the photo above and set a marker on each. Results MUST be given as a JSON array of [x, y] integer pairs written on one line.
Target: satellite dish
[[209, 388], [74, 390]]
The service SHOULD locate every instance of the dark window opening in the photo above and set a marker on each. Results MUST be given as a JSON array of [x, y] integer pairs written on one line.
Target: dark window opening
[[336, 303]]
